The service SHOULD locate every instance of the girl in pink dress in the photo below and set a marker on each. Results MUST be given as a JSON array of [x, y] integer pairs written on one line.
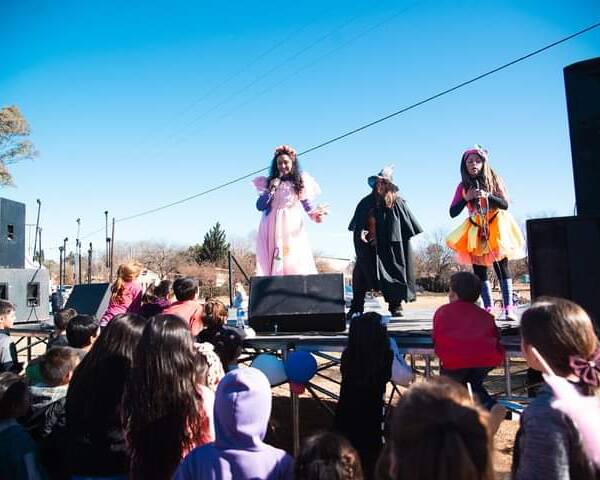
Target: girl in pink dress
[[282, 246]]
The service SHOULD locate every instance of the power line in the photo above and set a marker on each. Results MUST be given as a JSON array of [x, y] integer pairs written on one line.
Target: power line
[[365, 126]]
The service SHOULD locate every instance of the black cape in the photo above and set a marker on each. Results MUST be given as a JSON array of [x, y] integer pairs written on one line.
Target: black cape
[[389, 266]]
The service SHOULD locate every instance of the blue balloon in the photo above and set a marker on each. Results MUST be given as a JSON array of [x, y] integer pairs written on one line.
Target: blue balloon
[[272, 367], [300, 366]]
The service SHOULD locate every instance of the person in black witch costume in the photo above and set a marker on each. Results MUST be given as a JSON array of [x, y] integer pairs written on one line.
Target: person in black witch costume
[[382, 227]]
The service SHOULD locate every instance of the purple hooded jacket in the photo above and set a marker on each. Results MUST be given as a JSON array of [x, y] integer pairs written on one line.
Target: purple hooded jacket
[[242, 411]]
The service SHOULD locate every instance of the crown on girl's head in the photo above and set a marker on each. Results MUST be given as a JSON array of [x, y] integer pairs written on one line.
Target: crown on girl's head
[[285, 150], [481, 150]]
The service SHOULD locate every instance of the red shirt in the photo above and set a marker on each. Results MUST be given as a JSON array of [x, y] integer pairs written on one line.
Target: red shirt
[[466, 336], [191, 311]]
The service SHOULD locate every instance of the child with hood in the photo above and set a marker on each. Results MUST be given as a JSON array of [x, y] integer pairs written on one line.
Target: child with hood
[[242, 411]]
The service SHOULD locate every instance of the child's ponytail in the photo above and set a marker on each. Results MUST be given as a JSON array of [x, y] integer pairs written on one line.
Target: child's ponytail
[[127, 272]]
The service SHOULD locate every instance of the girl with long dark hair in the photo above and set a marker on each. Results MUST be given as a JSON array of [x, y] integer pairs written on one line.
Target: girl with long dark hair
[[96, 437], [366, 368], [282, 246], [163, 402]]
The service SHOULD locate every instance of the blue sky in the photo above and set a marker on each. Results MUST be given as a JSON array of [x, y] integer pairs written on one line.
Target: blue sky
[[136, 104]]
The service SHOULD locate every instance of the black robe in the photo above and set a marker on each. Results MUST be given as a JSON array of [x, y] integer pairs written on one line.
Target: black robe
[[388, 267]]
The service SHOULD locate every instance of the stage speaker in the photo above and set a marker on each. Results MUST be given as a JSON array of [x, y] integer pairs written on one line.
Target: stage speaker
[[564, 260], [12, 234], [582, 86], [90, 299], [297, 303]]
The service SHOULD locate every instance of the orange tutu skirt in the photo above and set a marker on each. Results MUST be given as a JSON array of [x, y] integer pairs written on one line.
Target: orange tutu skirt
[[473, 245]]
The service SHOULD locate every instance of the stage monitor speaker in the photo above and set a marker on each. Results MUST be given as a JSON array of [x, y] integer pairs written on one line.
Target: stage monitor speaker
[[582, 86], [297, 303], [12, 234], [90, 299], [564, 260]]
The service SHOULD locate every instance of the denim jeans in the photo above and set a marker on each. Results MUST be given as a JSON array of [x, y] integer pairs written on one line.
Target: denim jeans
[[474, 376]]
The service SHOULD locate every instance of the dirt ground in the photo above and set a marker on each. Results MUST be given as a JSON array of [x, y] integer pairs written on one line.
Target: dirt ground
[[314, 417]]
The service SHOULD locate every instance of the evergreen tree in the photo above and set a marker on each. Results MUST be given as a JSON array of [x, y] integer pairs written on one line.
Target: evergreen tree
[[214, 248]]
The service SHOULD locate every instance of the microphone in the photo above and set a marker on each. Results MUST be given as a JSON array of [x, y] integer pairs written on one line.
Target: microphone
[[477, 200]]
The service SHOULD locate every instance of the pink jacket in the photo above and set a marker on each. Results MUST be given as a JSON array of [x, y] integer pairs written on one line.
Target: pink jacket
[[131, 303]]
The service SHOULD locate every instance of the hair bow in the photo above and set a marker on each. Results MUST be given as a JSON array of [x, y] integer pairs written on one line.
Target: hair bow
[[586, 370]]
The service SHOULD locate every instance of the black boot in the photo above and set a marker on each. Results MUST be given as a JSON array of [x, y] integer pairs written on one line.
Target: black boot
[[396, 310]]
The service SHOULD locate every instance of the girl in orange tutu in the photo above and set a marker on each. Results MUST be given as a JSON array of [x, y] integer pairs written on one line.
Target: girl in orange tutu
[[490, 236]]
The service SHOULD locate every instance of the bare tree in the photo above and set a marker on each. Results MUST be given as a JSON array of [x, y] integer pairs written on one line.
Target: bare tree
[[435, 262], [13, 146], [159, 257]]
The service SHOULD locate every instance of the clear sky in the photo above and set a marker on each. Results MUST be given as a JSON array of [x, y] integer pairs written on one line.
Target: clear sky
[[136, 104]]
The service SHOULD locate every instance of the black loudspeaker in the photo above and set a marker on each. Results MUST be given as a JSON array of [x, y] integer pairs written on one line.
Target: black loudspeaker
[[297, 303], [90, 299], [12, 234], [564, 260], [582, 86]]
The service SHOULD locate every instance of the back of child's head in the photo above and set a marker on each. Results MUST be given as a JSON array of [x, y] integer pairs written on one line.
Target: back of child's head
[[149, 295], [98, 382], [164, 408], [439, 434], [57, 365], [81, 329], [163, 289], [215, 313], [214, 371], [563, 334], [6, 308], [327, 456], [185, 288], [466, 285], [228, 346], [62, 318], [14, 396], [127, 272], [368, 358]]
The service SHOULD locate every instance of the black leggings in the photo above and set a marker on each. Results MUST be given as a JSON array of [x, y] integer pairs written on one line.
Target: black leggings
[[500, 267]]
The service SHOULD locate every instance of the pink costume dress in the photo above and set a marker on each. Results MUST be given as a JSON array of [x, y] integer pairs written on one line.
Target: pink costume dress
[[282, 246]]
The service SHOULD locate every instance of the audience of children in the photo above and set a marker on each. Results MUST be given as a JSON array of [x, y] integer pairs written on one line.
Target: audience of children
[[467, 341], [163, 404], [141, 403], [327, 455], [82, 332], [126, 294], [96, 432], [242, 411], [547, 445], [438, 433], [156, 298], [18, 451], [8, 351], [366, 367], [58, 337], [187, 305]]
